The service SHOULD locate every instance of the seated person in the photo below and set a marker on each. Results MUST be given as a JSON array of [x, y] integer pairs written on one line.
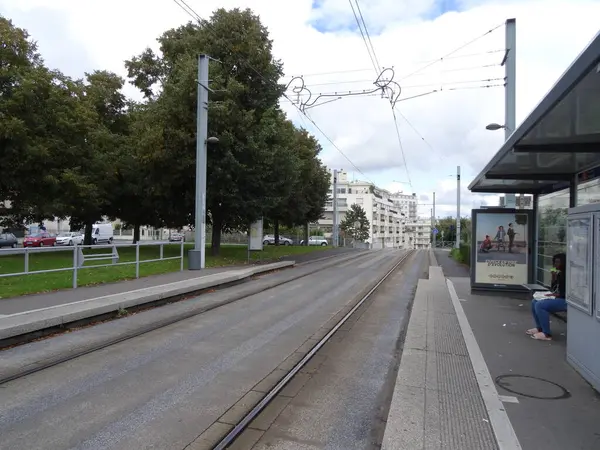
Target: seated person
[[541, 309], [486, 245]]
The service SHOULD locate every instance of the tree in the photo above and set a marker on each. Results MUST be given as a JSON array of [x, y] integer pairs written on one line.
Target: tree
[[243, 168], [308, 190], [34, 112], [89, 181], [138, 195], [355, 224]]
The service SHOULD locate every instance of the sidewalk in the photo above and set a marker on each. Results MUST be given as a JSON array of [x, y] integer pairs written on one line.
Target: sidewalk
[[549, 405], [23, 303]]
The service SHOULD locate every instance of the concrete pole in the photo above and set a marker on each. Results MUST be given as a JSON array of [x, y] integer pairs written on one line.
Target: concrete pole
[[457, 206], [510, 67], [335, 210], [197, 256], [433, 221]]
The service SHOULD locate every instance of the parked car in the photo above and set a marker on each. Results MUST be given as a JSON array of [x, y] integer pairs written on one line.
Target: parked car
[[69, 238], [39, 240], [316, 240], [102, 233], [269, 239], [176, 237], [8, 240]]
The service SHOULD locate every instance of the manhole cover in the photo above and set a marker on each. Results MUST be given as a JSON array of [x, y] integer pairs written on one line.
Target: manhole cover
[[532, 387]]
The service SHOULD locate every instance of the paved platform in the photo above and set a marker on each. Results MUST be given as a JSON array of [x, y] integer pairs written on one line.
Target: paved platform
[[550, 405], [24, 303], [443, 398]]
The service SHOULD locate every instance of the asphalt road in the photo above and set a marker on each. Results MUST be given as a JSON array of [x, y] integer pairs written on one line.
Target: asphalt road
[[343, 405], [163, 389]]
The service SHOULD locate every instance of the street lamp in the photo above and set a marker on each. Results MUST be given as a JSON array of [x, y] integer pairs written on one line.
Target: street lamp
[[495, 127]]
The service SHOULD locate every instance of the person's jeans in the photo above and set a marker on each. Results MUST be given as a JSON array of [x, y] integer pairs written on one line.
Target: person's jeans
[[541, 310]]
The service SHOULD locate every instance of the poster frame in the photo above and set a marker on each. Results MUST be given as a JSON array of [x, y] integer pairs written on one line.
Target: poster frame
[[589, 269], [255, 236], [531, 226]]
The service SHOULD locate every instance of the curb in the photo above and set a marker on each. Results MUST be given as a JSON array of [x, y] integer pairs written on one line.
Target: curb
[[57, 316]]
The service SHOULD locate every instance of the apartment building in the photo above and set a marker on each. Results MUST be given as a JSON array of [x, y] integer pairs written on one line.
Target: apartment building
[[387, 212], [418, 234]]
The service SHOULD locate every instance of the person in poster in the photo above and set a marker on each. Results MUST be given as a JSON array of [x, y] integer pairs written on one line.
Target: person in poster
[[505, 262]]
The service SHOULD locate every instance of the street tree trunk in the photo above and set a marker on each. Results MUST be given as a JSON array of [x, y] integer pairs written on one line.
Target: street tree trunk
[[306, 234], [215, 241], [276, 231], [136, 233], [87, 233]]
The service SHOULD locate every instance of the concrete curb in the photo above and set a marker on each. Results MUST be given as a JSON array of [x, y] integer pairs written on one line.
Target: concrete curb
[[54, 316]]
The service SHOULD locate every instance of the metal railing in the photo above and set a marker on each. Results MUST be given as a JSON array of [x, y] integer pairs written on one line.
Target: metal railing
[[445, 244], [82, 254]]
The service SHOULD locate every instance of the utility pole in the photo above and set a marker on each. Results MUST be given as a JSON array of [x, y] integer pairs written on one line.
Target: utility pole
[[335, 210], [510, 68], [510, 90], [457, 206], [433, 221], [197, 256]]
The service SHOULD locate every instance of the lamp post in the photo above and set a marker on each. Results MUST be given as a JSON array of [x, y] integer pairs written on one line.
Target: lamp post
[[197, 256]]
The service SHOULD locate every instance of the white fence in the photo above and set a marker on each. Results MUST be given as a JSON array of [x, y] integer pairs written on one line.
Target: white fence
[[82, 255]]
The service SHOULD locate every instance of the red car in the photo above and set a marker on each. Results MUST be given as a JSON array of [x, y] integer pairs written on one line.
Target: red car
[[39, 240]]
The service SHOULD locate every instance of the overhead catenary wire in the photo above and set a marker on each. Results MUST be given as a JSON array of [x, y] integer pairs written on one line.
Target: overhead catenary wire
[[190, 11], [401, 147], [457, 49], [364, 35]]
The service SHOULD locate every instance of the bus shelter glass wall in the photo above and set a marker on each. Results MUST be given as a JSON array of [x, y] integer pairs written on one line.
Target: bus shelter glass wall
[[552, 232], [552, 224]]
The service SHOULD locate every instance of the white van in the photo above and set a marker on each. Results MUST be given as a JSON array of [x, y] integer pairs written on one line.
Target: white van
[[102, 233]]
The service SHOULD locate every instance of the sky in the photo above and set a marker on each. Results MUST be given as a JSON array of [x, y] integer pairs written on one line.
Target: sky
[[443, 105]]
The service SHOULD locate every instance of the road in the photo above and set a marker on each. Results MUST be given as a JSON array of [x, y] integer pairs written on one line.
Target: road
[[343, 405], [163, 389]]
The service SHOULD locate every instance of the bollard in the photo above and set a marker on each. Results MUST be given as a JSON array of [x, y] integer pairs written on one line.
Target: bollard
[[161, 251], [26, 260]]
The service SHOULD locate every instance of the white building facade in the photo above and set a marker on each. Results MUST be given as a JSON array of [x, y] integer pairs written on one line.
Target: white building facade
[[418, 234], [387, 212]]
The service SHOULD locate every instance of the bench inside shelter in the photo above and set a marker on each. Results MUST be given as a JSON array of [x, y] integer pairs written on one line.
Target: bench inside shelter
[[532, 288]]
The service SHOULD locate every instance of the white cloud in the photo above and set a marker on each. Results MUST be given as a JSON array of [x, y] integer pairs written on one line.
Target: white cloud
[[77, 36]]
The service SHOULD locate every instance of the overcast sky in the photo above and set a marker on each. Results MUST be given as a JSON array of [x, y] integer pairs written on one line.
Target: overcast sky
[[438, 130]]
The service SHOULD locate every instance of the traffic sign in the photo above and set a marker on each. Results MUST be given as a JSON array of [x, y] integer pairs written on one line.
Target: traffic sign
[[435, 231]]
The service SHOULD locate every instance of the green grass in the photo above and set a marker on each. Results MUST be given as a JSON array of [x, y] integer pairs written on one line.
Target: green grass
[[462, 255], [89, 275]]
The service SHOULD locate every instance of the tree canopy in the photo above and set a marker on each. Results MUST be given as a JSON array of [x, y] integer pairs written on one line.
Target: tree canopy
[[79, 148], [356, 224]]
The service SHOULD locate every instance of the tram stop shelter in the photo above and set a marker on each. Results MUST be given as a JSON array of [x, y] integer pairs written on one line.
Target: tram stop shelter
[[554, 155]]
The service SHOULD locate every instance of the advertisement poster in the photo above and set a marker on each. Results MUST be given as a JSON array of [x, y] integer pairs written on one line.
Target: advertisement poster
[[501, 239], [256, 235], [579, 236]]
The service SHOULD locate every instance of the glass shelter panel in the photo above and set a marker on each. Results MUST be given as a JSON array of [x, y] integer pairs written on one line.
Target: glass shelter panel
[[579, 276], [552, 232]]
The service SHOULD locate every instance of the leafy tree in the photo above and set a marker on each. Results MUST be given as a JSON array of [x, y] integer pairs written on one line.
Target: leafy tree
[[243, 168], [34, 114], [308, 192], [355, 224], [89, 182], [138, 192]]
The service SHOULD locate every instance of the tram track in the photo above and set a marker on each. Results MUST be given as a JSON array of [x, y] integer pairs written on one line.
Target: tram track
[[237, 430], [154, 326]]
